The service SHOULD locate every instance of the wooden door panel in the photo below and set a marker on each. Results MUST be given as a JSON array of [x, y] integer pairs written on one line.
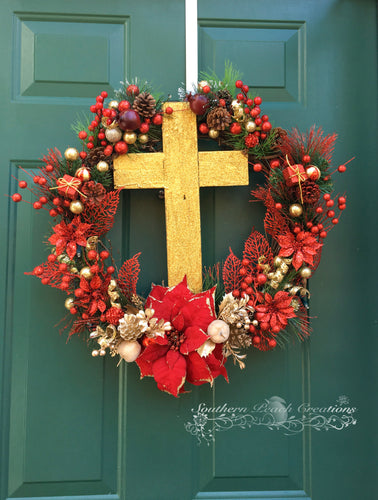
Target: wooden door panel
[[62, 411]]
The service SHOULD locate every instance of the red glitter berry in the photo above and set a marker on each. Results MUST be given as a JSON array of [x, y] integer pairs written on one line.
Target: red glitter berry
[[113, 315]]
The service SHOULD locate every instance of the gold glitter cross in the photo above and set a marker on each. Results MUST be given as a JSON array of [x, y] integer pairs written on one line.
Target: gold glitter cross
[[181, 170]]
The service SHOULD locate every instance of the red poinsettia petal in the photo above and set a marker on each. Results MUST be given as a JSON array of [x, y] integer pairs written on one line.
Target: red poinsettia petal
[[194, 338], [297, 260], [162, 309], [146, 359], [178, 322], [84, 284], [101, 306], [216, 361], [93, 307], [198, 372], [71, 249], [157, 293], [170, 371]]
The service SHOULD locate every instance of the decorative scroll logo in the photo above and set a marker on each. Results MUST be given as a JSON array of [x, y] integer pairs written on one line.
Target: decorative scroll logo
[[273, 413]]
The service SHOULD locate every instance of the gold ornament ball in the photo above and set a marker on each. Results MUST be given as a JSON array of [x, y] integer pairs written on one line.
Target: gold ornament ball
[[113, 104], [295, 210], [86, 273], [277, 261], [214, 134], [143, 138], [250, 126], [313, 172], [83, 174], [203, 84], [306, 272], [69, 303], [102, 166], [129, 350], [129, 137], [71, 154], [113, 134], [218, 331], [76, 207]]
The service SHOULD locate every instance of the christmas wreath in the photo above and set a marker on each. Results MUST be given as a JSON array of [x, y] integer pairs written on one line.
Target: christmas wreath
[[259, 300]]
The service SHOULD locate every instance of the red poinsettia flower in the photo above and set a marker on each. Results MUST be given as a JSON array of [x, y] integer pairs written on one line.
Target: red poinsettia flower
[[173, 359], [94, 294], [275, 311], [68, 236], [304, 247]]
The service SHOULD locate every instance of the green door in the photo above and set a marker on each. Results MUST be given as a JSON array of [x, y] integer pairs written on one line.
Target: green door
[[77, 427]]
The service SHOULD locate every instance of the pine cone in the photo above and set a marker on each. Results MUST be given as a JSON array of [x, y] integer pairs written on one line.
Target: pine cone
[[94, 193], [132, 326], [145, 105], [219, 118], [95, 155], [226, 95], [310, 192]]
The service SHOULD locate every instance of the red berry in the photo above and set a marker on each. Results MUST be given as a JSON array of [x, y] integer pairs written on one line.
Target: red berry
[[49, 168], [63, 267], [82, 135], [238, 84], [45, 281], [53, 213], [314, 229], [342, 207], [341, 168], [297, 230], [266, 126], [257, 100], [306, 159], [341, 200], [203, 128], [43, 200], [37, 271], [222, 102], [275, 163], [261, 279], [335, 221], [249, 102], [108, 150], [252, 328], [121, 147], [278, 206], [99, 98], [265, 118], [243, 271], [37, 205], [93, 124], [157, 120], [272, 343], [94, 269], [257, 167], [83, 155], [104, 254], [330, 213], [85, 316], [144, 128], [66, 203], [247, 111], [110, 270], [309, 224], [248, 279], [124, 106], [245, 89], [101, 136], [236, 293], [319, 210], [106, 113], [132, 90], [92, 108], [245, 262], [240, 97], [168, 110], [73, 310], [249, 291], [51, 257], [42, 181], [92, 254], [323, 234], [256, 340], [79, 292], [57, 201], [16, 197], [104, 94], [90, 145], [244, 285], [206, 89], [320, 226], [258, 121], [330, 203], [36, 179], [235, 128], [327, 197]]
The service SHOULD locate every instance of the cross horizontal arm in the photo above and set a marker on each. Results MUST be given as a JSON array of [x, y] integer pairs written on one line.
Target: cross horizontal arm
[[139, 171], [222, 168]]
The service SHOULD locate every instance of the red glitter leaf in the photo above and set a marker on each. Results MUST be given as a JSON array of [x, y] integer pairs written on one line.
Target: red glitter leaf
[[256, 246], [231, 276], [102, 216], [128, 276]]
